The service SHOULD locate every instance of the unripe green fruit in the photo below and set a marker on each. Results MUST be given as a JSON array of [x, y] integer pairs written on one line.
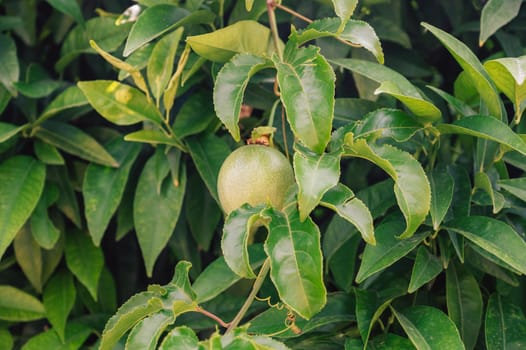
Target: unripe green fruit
[[254, 174]]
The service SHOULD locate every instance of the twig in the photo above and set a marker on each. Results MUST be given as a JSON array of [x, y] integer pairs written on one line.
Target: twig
[[308, 20], [255, 289], [212, 316]]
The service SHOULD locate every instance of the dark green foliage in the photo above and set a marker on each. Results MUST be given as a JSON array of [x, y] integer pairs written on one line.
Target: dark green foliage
[[403, 123]]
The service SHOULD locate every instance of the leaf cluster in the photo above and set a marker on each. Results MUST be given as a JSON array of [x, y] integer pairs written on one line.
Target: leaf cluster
[[402, 121]]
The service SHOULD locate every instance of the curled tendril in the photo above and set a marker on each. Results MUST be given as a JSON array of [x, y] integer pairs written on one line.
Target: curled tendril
[[278, 306], [289, 321]]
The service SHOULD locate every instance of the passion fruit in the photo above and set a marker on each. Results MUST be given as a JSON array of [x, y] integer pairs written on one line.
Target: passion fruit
[[254, 174]]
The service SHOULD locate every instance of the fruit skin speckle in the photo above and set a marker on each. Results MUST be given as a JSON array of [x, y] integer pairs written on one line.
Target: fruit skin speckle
[[254, 174]]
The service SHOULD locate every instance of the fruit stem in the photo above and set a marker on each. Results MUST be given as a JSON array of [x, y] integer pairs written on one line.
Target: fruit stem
[[250, 299]]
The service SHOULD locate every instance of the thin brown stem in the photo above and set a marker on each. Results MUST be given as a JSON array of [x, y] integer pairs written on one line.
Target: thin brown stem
[[212, 316], [308, 20], [292, 12], [274, 27]]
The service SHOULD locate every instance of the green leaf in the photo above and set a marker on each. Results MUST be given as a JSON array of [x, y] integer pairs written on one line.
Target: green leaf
[[138, 60], [461, 202], [67, 200], [179, 289], [494, 236], [378, 73], [6, 339], [344, 8], [516, 187], [19, 306], [182, 338], [263, 342], [295, 256], [340, 308], [104, 186], [464, 303], [102, 30], [76, 335], [187, 121], [107, 302], [358, 32], [509, 74], [208, 153], [505, 324], [368, 310], [306, 81], [487, 128], [161, 62], [426, 267], [136, 76], [237, 230], [457, 104], [426, 110], [246, 36], [483, 181], [395, 84], [315, 175], [51, 258], [388, 249], [319, 28], [45, 233], [491, 257], [361, 33], [21, 184], [69, 7], [59, 297], [339, 242], [342, 200], [202, 213], [217, 277], [29, 257], [473, 68], [387, 341], [483, 263], [146, 333], [249, 4], [70, 98], [8, 131], [37, 83], [48, 154], [154, 137], [132, 311], [9, 67], [392, 29], [429, 328], [412, 189], [119, 103], [159, 19], [230, 85], [73, 140], [383, 122], [156, 213], [79, 250], [442, 186], [495, 14]]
